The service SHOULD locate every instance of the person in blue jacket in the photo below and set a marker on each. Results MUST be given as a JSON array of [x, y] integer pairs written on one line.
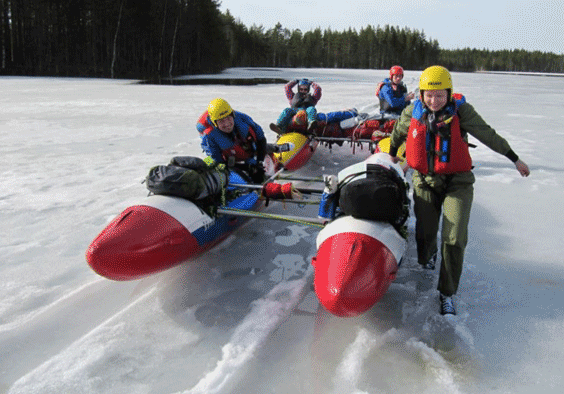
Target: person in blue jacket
[[233, 138], [392, 92]]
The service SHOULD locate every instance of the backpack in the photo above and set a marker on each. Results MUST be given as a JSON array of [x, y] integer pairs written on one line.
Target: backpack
[[380, 195], [188, 177]]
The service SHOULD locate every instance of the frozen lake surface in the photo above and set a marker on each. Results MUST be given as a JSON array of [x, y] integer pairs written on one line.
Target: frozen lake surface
[[243, 318]]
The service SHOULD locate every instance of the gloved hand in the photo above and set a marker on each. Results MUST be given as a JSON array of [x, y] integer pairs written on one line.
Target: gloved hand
[[256, 172]]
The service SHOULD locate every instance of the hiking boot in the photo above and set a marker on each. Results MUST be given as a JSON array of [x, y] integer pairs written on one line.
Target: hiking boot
[[430, 265], [274, 127], [447, 305]]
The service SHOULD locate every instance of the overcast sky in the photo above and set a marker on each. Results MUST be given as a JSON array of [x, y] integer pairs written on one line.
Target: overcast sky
[[496, 24]]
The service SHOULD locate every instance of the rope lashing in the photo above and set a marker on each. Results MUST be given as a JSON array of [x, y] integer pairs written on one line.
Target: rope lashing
[[278, 191]]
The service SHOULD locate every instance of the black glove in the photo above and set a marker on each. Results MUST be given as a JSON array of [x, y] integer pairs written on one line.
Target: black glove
[[256, 172]]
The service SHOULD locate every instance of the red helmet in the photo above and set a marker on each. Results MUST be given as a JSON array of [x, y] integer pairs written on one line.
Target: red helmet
[[396, 70]]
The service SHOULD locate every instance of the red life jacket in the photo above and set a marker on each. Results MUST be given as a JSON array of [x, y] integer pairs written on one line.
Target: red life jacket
[[241, 150], [238, 145], [446, 149]]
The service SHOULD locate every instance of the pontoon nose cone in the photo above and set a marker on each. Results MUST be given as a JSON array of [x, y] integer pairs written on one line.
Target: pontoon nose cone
[[140, 241], [352, 272]]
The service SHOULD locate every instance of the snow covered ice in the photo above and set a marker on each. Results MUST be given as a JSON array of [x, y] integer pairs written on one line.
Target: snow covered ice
[[243, 318]]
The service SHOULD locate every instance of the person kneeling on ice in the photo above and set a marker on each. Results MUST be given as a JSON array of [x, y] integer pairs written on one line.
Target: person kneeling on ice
[[233, 138], [392, 93], [303, 100], [436, 129]]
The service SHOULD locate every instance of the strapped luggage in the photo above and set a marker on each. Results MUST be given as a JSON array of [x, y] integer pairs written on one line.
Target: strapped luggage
[[188, 177], [378, 193]]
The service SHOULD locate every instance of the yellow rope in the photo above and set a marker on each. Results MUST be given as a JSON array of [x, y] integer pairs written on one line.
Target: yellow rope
[[277, 217]]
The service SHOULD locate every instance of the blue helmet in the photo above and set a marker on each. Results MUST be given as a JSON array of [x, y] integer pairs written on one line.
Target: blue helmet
[[304, 82]]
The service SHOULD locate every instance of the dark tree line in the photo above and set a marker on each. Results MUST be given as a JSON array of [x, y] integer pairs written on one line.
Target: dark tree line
[[369, 48], [164, 38], [121, 38], [507, 60]]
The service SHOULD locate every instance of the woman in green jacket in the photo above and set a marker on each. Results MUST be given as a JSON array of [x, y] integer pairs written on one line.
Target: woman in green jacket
[[436, 129]]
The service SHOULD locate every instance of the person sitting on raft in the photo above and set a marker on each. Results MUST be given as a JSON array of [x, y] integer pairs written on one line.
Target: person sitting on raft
[[232, 137], [392, 93], [303, 100]]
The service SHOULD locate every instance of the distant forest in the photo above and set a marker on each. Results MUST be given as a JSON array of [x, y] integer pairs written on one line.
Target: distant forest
[[147, 39]]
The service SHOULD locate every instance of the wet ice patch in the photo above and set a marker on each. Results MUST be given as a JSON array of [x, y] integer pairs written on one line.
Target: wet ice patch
[[292, 235], [288, 267]]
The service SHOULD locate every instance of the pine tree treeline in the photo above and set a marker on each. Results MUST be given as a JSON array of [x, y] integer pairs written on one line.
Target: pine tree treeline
[[517, 60], [164, 38], [111, 38], [370, 48]]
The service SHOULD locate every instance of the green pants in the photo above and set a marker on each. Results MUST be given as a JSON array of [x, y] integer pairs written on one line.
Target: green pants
[[452, 196]]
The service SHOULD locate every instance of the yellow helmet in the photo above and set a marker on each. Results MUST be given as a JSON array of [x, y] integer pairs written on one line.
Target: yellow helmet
[[218, 109], [435, 78]]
